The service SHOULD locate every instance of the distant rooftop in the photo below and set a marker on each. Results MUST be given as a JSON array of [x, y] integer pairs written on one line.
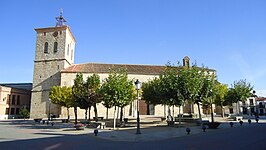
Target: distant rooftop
[[24, 86]]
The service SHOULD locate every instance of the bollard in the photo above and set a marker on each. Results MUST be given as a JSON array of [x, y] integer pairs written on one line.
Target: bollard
[[96, 132], [241, 122], [203, 128], [188, 131], [249, 121], [231, 124]]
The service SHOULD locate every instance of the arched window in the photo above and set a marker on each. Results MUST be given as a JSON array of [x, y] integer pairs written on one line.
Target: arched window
[[67, 49], [46, 47], [55, 47]]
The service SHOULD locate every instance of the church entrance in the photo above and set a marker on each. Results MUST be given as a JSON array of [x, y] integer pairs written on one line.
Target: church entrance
[[146, 109], [143, 108]]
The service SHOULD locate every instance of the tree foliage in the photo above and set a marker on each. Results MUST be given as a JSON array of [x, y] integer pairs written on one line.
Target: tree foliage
[[24, 112], [169, 86], [62, 96], [151, 92], [117, 90]]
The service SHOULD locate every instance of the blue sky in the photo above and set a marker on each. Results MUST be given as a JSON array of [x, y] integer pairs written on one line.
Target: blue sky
[[226, 35]]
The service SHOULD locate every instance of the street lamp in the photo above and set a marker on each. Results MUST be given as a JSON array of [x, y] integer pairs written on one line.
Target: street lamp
[[49, 116], [138, 86]]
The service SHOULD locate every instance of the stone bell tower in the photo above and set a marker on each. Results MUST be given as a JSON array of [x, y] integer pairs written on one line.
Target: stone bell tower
[[54, 51]]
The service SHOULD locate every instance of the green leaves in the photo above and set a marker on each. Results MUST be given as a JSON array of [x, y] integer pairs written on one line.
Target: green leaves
[[62, 96], [117, 90], [176, 85], [239, 91]]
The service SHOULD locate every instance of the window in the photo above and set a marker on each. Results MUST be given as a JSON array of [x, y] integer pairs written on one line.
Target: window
[[260, 105], [12, 111], [46, 47], [55, 47], [67, 49], [13, 101], [8, 99], [7, 111], [251, 102], [231, 110], [18, 99], [17, 111], [72, 54], [44, 33]]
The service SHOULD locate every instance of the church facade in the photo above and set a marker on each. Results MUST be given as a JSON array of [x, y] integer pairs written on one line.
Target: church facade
[[54, 66]]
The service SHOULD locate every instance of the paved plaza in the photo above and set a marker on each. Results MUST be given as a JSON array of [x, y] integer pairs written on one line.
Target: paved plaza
[[25, 134]]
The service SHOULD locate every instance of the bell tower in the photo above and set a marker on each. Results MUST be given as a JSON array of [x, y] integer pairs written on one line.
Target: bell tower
[[55, 47]]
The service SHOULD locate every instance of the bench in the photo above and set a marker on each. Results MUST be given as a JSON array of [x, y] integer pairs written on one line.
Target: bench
[[238, 118], [99, 118], [100, 125], [65, 120], [38, 120]]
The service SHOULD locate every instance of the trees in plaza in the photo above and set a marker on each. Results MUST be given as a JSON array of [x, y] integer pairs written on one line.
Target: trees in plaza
[[86, 93], [117, 90], [24, 112], [177, 85], [62, 96], [92, 87], [80, 93], [220, 92], [239, 91]]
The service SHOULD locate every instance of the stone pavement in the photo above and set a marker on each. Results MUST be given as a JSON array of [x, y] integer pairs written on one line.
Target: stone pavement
[[19, 129]]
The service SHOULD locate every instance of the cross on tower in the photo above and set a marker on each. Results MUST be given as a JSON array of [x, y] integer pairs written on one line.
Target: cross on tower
[[60, 21]]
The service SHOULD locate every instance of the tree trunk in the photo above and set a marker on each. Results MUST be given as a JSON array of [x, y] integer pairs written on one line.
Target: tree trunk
[[68, 116], [179, 116], [90, 113], [114, 117], [95, 111], [164, 111], [76, 115], [222, 109], [107, 113], [121, 114], [86, 114], [173, 111], [200, 119]]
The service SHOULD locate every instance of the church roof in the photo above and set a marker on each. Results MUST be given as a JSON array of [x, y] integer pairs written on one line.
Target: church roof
[[105, 68]]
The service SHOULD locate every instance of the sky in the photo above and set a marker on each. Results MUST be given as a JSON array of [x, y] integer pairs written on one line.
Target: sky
[[226, 35]]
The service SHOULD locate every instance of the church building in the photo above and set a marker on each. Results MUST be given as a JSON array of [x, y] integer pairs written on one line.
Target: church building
[[54, 66]]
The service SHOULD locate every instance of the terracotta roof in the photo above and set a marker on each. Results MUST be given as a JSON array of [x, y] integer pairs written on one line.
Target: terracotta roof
[[105, 68], [260, 99]]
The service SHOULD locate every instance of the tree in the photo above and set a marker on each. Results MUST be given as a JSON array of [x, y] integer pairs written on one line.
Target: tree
[[62, 96], [169, 93], [93, 88], [117, 90], [221, 91], [239, 91], [151, 92], [195, 85], [24, 112], [79, 93]]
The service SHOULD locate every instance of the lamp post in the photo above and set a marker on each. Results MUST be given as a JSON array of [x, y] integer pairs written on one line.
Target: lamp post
[[49, 116], [138, 86]]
